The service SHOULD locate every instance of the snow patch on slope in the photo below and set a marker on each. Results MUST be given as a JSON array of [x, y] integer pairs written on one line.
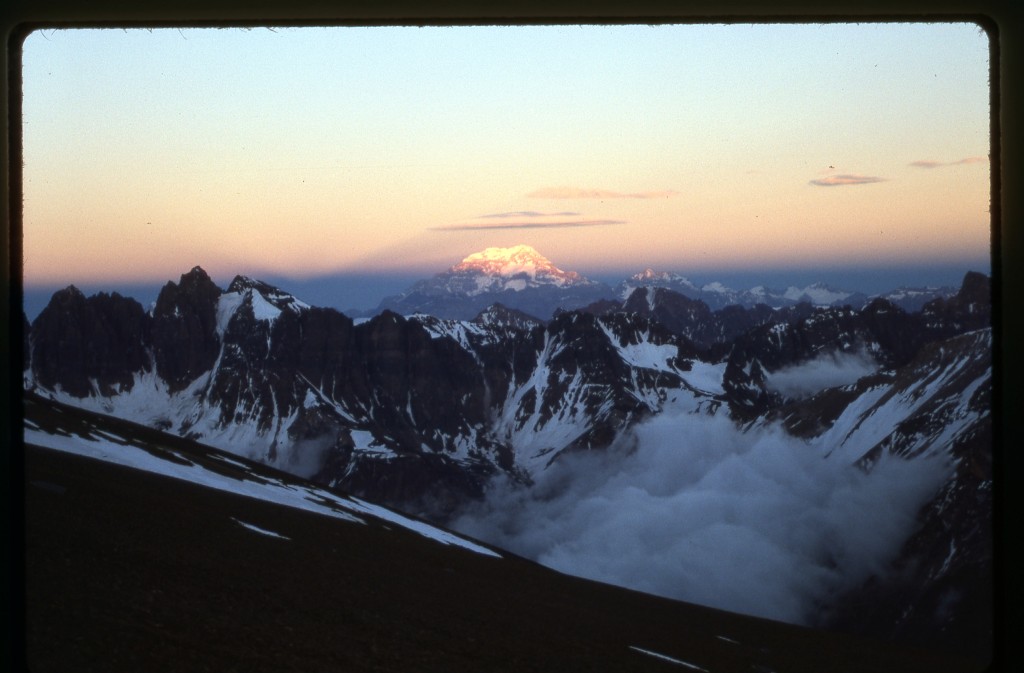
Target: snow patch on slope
[[189, 413], [113, 449], [644, 353]]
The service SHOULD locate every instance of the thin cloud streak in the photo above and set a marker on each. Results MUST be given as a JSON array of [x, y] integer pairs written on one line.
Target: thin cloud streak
[[578, 193], [526, 213], [525, 225], [525, 219], [927, 163], [848, 179]]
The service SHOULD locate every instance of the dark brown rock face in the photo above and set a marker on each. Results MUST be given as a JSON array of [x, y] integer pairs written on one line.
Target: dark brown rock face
[[898, 334], [969, 309], [770, 347], [710, 330], [78, 342], [185, 341], [689, 317], [311, 375], [892, 337]]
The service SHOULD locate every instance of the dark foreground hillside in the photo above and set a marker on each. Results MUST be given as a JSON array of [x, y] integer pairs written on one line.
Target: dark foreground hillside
[[130, 571]]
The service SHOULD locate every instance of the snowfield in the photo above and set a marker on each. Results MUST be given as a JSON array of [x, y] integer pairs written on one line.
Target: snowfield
[[110, 448]]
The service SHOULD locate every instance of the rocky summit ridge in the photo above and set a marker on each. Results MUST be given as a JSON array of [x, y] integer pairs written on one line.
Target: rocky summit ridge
[[422, 411], [518, 277], [515, 268]]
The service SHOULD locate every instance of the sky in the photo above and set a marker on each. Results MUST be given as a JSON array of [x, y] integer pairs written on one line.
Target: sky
[[347, 152]]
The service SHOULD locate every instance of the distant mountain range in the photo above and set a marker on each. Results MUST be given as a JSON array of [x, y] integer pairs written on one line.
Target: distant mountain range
[[423, 412], [520, 277]]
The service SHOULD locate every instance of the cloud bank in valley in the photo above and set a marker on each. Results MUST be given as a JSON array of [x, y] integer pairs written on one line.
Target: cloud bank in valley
[[578, 193], [688, 507], [846, 179], [526, 219], [827, 371]]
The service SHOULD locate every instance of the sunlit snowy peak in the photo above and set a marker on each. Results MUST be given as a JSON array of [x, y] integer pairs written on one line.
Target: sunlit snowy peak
[[514, 268]]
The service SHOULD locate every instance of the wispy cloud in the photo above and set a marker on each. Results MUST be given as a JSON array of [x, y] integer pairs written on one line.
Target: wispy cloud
[[523, 213], [847, 179], [928, 163], [525, 219], [579, 193]]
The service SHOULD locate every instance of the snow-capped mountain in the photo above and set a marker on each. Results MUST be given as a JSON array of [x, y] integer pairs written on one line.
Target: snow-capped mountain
[[254, 370], [391, 408], [521, 278], [518, 277], [913, 299], [422, 412], [718, 296], [821, 294], [652, 278], [515, 268]]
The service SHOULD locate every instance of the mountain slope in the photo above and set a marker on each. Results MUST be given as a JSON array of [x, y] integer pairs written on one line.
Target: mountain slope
[[418, 412], [518, 277], [718, 296], [422, 412], [939, 588], [880, 334], [128, 571], [255, 371]]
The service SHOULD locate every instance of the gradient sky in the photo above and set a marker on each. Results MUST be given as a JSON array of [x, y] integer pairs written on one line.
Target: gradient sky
[[304, 151]]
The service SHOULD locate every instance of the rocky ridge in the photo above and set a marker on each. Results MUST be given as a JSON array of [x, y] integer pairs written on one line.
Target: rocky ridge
[[421, 411]]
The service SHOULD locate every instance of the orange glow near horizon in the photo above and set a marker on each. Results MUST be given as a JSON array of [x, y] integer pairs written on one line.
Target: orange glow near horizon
[[309, 152]]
